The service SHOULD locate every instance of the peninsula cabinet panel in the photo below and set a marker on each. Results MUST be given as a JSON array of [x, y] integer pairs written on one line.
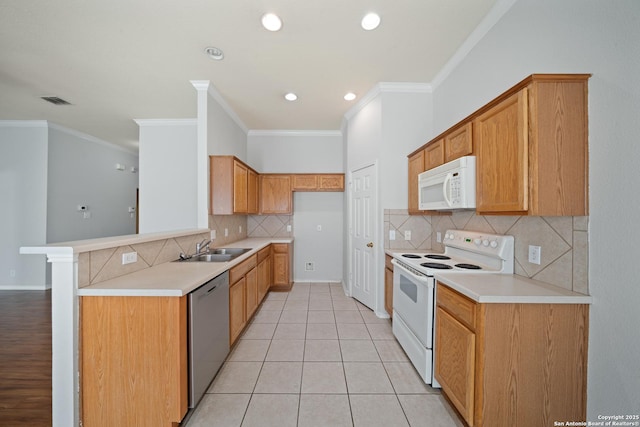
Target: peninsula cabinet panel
[[275, 194], [458, 143], [520, 365], [133, 361]]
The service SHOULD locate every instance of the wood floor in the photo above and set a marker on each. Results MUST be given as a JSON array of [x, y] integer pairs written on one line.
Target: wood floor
[[25, 358]]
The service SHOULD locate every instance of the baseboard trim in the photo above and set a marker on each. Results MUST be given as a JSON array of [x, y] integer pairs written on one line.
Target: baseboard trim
[[25, 287]]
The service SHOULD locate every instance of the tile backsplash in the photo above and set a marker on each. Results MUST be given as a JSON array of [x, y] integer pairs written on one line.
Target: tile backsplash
[[564, 241], [234, 225], [104, 264], [270, 225]]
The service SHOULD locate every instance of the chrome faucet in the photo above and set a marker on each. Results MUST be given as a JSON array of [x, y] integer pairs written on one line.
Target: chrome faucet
[[202, 246]]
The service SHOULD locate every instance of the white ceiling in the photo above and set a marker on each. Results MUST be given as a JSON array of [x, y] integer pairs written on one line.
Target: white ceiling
[[120, 60]]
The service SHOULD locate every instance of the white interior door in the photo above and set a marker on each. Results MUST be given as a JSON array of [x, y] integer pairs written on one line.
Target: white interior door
[[363, 226]]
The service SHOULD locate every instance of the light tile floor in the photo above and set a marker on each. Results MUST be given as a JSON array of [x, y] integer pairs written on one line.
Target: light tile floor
[[315, 357]]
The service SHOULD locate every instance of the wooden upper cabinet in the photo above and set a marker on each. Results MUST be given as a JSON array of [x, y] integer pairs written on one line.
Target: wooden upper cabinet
[[318, 182], [416, 167], [502, 156], [434, 155], [240, 180], [253, 184], [233, 186], [532, 146], [458, 143], [275, 194]]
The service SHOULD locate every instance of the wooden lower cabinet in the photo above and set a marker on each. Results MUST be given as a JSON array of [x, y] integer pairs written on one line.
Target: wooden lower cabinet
[[133, 361], [511, 364], [251, 292], [388, 285], [264, 272], [237, 309], [282, 262]]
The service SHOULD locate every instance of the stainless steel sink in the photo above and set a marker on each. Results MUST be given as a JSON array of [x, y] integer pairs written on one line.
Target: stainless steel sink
[[217, 255]]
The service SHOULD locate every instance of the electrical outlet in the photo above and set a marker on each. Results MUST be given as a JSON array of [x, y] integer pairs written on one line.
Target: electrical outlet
[[438, 237], [129, 258], [535, 253], [213, 234], [318, 227], [392, 234], [308, 266], [407, 235], [226, 232], [289, 228], [12, 273], [240, 229]]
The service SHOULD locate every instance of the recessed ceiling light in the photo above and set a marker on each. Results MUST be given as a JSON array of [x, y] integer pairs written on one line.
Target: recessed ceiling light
[[291, 96], [271, 22], [370, 21], [350, 96], [214, 53]]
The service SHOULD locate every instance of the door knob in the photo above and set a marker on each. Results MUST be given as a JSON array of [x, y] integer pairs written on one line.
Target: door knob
[[370, 244]]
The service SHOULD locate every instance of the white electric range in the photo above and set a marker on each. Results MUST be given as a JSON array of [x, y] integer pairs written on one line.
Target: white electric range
[[414, 287]]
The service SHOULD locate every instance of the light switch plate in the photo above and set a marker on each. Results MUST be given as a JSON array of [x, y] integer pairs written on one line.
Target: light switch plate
[[535, 253], [129, 258], [392, 234]]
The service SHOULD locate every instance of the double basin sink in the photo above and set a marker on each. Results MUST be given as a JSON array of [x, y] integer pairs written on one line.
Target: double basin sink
[[217, 255]]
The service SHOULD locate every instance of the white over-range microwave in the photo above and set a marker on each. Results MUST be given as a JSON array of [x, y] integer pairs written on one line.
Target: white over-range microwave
[[449, 186]]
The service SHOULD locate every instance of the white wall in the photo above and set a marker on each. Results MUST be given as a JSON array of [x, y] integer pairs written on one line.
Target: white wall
[[307, 152], [23, 206], [168, 174], [82, 172], [394, 122], [225, 134], [581, 36]]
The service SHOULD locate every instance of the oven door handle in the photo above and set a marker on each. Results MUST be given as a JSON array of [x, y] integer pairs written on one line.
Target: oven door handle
[[422, 279]]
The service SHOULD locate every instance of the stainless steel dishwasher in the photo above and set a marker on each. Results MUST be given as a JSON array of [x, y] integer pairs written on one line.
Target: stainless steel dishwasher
[[208, 334]]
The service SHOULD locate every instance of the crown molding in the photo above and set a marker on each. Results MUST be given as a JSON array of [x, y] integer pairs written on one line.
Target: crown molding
[[495, 14], [23, 123], [284, 132], [201, 85], [166, 122], [90, 138], [387, 87]]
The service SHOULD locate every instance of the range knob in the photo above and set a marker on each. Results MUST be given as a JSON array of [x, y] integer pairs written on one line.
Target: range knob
[[494, 244], [485, 242], [449, 236], [477, 242]]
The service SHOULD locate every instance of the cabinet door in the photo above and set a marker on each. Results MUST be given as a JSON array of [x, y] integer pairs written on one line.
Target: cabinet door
[[252, 192], [331, 182], [501, 137], [455, 362], [240, 179], [275, 194], [264, 269], [237, 316], [434, 155], [416, 166], [458, 143], [281, 267], [251, 297], [305, 182]]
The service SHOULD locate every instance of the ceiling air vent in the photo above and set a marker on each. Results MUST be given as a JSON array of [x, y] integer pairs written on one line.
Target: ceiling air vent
[[55, 100]]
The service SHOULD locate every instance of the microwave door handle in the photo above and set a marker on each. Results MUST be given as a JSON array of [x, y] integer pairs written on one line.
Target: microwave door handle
[[445, 189]]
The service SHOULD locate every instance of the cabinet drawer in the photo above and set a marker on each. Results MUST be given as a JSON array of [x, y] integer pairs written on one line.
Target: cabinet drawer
[[458, 305], [264, 253], [237, 272], [280, 248]]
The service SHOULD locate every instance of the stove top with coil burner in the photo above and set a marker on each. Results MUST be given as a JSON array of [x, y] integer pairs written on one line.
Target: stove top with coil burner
[[465, 251]]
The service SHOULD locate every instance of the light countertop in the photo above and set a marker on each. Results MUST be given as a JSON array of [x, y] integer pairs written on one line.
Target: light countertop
[[175, 279], [509, 288]]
